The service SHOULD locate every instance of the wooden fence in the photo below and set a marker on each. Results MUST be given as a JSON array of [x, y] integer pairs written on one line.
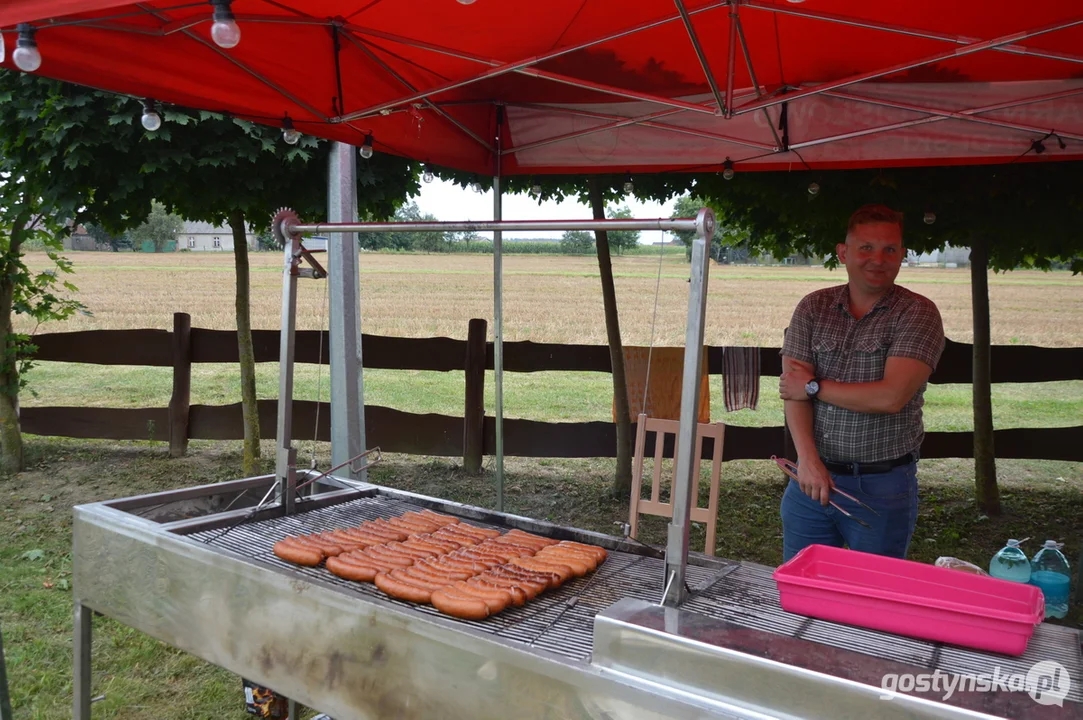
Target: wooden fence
[[473, 435]]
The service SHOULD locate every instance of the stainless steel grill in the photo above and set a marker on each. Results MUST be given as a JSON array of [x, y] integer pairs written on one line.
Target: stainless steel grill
[[177, 566], [560, 621]]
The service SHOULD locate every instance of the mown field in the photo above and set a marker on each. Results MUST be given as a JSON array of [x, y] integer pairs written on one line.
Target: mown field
[[550, 299]]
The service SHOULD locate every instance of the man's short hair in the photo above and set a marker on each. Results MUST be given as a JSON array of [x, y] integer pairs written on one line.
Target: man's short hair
[[874, 214]]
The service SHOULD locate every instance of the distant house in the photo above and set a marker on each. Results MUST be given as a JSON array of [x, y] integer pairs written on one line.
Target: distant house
[[205, 237], [79, 239], [948, 257]]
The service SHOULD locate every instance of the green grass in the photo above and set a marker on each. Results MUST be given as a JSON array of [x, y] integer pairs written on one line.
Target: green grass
[[143, 679], [553, 396]]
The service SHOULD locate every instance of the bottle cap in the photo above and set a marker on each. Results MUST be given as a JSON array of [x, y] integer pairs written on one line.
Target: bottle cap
[[1053, 544], [1013, 543]]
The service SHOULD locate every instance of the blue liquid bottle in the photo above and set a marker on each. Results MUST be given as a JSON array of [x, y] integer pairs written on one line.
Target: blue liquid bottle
[[1049, 570], [1010, 563]]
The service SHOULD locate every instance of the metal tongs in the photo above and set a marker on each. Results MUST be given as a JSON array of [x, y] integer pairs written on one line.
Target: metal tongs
[[790, 468]]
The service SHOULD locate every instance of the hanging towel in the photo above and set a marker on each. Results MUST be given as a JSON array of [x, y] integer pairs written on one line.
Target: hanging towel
[[741, 377], [663, 397]]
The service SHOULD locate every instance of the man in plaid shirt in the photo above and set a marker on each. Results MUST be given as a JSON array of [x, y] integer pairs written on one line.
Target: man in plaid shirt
[[855, 363]]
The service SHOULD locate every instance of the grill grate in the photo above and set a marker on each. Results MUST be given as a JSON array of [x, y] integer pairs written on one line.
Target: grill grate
[[749, 597], [549, 622]]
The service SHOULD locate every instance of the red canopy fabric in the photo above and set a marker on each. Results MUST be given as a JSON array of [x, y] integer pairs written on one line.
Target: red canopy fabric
[[587, 86]]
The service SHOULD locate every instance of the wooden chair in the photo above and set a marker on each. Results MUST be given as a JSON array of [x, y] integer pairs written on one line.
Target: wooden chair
[[654, 506]]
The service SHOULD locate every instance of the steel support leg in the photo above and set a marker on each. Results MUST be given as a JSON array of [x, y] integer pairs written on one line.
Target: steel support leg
[[81, 637], [684, 483], [347, 381]]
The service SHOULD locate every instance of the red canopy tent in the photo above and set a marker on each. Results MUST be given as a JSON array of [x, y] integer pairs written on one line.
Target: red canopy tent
[[596, 86]]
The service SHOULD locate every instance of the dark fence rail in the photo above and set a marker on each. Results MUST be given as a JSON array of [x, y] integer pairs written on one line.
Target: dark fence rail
[[431, 434]]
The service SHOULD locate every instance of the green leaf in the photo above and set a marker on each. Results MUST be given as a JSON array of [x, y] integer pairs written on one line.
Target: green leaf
[[32, 555]]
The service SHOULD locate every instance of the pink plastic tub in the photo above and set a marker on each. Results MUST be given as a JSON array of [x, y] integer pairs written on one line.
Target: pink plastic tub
[[910, 598]]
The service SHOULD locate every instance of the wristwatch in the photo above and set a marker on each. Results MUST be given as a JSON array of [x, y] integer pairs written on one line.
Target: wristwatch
[[812, 388]]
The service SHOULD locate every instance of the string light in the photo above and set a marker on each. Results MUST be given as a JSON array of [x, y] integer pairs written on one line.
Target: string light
[[289, 133], [366, 149], [476, 186], [1038, 147], [814, 188], [225, 32], [427, 176], [151, 119], [535, 188], [727, 169], [629, 186], [930, 218], [26, 57]]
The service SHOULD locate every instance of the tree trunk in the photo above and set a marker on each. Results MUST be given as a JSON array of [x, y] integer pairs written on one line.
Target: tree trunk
[[622, 481], [985, 470], [11, 437], [249, 403]]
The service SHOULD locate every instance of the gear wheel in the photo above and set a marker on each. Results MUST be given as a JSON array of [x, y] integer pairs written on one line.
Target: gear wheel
[[283, 218]]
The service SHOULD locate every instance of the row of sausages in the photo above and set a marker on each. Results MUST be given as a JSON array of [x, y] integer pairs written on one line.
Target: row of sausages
[[462, 570]]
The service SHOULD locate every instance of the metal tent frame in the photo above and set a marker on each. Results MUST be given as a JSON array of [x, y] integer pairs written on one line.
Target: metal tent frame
[[289, 230]]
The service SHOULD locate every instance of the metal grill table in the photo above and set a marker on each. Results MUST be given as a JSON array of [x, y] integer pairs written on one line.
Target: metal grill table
[[193, 570]]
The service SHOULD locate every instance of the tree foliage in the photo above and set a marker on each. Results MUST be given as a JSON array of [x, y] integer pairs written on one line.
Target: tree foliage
[[159, 229], [577, 242], [621, 240]]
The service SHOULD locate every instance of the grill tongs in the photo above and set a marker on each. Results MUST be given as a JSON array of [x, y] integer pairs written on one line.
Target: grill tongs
[[790, 469]]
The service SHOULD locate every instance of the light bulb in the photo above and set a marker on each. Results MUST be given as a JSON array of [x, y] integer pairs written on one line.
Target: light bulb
[[151, 120], [814, 189], [476, 187], [536, 190], [291, 136], [366, 149], [224, 31], [930, 218], [629, 186], [427, 176], [727, 169], [26, 56]]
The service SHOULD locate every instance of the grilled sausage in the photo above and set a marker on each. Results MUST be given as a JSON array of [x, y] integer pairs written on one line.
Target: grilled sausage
[[442, 519], [402, 590], [458, 605], [563, 572], [297, 554], [529, 537], [496, 598], [351, 571], [599, 553]]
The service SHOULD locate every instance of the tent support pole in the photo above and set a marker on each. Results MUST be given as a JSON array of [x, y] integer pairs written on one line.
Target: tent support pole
[[344, 351], [684, 483], [498, 313]]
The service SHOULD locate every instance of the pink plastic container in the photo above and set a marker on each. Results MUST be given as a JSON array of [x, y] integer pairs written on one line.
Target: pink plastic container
[[910, 598]]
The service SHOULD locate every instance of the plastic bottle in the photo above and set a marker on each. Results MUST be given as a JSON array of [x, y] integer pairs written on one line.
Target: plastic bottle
[[1049, 570], [1010, 563]]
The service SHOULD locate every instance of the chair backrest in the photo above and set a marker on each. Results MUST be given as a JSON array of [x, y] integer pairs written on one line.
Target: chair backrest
[[661, 428]]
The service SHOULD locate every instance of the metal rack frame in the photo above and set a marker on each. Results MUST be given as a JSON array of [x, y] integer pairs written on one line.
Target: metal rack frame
[[288, 230]]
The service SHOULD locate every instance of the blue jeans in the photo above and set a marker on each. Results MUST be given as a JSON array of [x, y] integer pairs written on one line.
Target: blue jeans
[[893, 494]]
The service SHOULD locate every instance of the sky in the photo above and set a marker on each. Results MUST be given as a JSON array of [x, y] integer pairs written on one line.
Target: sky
[[448, 201]]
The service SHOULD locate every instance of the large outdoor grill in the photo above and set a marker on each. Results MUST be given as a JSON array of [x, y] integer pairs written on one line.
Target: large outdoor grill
[[194, 568]]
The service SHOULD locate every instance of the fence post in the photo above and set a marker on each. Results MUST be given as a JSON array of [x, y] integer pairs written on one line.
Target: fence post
[[182, 384], [474, 415]]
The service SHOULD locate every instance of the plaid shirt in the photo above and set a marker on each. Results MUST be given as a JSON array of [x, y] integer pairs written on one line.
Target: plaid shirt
[[825, 334]]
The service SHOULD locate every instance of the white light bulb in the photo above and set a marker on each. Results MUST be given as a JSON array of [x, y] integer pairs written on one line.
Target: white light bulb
[[536, 190], [629, 186], [225, 33], [930, 218], [27, 58], [814, 189], [428, 176], [476, 187], [366, 151], [151, 120], [291, 136], [728, 173]]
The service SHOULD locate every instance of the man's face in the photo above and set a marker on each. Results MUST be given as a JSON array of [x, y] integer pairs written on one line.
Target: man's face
[[872, 254]]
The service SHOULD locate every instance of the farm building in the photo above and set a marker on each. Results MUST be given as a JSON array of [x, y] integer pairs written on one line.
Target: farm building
[[205, 237]]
